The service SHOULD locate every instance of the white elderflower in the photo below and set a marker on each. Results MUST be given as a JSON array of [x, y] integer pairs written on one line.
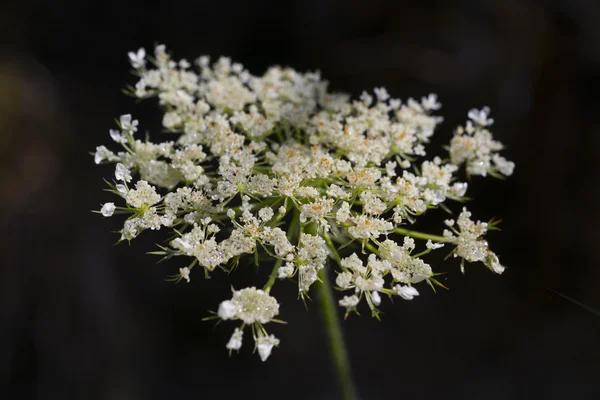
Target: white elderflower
[[265, 344], [235, 342], [108, 209]]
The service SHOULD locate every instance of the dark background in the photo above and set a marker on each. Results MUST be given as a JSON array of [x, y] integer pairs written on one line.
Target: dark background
[[83, 319]]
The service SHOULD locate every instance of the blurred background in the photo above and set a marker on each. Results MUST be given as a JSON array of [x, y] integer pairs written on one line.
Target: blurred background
[[81, 318]]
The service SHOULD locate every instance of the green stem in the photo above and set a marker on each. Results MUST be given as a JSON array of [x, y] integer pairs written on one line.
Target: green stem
[[420, 235], [332, 247], [371, 248], [290, 233], [333, 330], [273, 275]]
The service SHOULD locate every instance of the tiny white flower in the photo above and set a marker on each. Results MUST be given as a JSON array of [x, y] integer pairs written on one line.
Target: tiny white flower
[[376, 298], [108, 209], [390, 168], [285, 271], [459, 189], [480, 117], [203, 61], [250, 305], [137, 59], [116, 136], [406, 292], [127, 124], [430, 102], [382, 94], [213, 228], [405, 164], [237, 68], [230, 213], [265, 345], [227, 310], [432, 246], [235, 343], [265, 214], [184, 64], [185, 274], [121, 188], [122, 173], [349, 302], [344, 280], [366, 98], [182, 243], [102, 153], [395, 104], [282, 210], [494, 264]]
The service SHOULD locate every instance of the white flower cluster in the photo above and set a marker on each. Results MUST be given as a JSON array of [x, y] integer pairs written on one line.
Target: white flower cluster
[[474, 146], [253, 307], [259, 167], [469, 241]]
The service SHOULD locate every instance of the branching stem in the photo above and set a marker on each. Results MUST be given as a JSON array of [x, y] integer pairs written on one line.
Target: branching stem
[[420, 235]]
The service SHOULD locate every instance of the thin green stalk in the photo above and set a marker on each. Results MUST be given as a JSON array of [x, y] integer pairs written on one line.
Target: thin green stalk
[[420, 235], [331, 247], [333, 329], [273, 275], [371, 248], [290, 233]]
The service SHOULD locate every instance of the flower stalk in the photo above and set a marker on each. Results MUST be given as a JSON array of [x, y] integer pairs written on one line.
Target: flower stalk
[[333, 330], [420, 235]]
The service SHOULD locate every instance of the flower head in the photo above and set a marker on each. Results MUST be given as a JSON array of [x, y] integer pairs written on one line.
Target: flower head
[[250, 305], [275, 169]]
